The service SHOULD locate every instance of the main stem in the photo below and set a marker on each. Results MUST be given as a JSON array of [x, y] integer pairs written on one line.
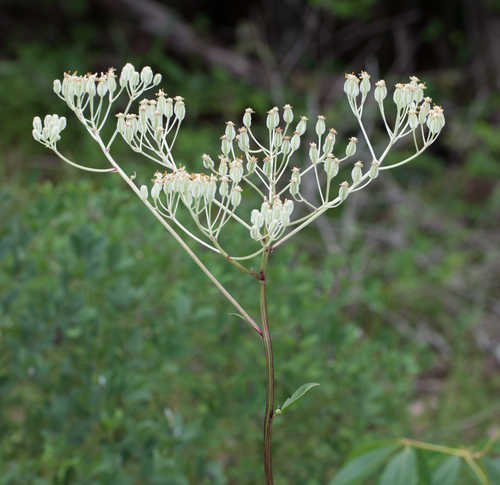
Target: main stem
[[268, 349]]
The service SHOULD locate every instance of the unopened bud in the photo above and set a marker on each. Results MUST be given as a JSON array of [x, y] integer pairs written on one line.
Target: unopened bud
[[343, 190], [320, 125], [373, 173], [331, 166], [380, 92], [236, 196], [356, 172], [208, 163], [364, 86], [351, 146], [146, 75], [273, 118], [144, 192], [56, 86], [301, 126], [247, 117], [351, 85], [287, 114]]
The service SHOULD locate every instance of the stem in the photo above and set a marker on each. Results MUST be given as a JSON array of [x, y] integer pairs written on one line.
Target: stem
[[268, 349]]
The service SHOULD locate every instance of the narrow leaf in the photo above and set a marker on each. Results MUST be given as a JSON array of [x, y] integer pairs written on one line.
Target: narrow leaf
[[447, 472], [402, 469], [297, 395], [363, 466]]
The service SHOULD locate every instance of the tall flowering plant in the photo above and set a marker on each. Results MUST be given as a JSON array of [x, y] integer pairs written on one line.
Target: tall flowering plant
[[202, 205]]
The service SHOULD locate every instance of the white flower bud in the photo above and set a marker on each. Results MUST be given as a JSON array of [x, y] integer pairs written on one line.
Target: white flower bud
[[134, 81], [351, 85], [424, 109], [230, 131], [236, 196], [266, 212], [313, 153], [155, 190], [211, 189], [56, 86], [236, 171], [364, 86], [126, 73], [146, 75], [267, 167], [243, 140], [102, 88], [255, 233], [256, 218], [356, 172], [223, 166], [398, 95], [111, 81], [278, 137], [225, 145], [295, 182], [143, 119], [208, 163], [351, 146], [179, 108], [301, 126], [224, 186], [331, 166], [247, 117], [169, 110], [295, 141], [273, 118], [157, 79], [120, 124], [144, 192], [373, 172], [320, 125], [380, 91], [288, 207], [435, 120], [287, 114], [251, 164], [285, 145], [161, 103], [62, 123], [329, 141], [412, 119], [343, 190], [37, 124]]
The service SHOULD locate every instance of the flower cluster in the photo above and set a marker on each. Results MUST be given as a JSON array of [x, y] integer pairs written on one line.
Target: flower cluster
[[246, 162], [50, 132]]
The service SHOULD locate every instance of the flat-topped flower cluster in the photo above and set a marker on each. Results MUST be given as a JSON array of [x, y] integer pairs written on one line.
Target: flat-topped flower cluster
[[261, 164]]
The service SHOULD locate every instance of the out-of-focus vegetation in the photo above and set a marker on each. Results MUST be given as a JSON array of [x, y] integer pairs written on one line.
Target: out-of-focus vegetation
[[121, 364]]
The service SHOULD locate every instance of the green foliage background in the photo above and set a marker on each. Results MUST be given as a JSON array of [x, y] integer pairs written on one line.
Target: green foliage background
[[120, 364]]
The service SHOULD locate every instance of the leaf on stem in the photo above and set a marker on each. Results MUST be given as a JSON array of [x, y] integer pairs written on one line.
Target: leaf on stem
[[447, 472], [303, 389], [402, 469], [363, 466]]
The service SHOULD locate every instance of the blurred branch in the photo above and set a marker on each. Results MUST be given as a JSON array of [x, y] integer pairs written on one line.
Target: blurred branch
[[159, 20]]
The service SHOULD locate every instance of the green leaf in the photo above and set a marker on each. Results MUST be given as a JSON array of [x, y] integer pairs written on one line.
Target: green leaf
[[492, 468], [363, 466], [402, 469], [447, 472], [297, 395]]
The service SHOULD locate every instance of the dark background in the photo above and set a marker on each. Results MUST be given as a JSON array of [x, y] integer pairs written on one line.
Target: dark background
[[119, 363]]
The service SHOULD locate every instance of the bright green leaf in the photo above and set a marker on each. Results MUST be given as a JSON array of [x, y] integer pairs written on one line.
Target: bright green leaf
[[447, 472], [297, 395], [402, 469], [363, 466]]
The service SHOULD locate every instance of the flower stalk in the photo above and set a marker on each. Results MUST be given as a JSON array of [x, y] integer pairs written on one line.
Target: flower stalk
[[214, 199]]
